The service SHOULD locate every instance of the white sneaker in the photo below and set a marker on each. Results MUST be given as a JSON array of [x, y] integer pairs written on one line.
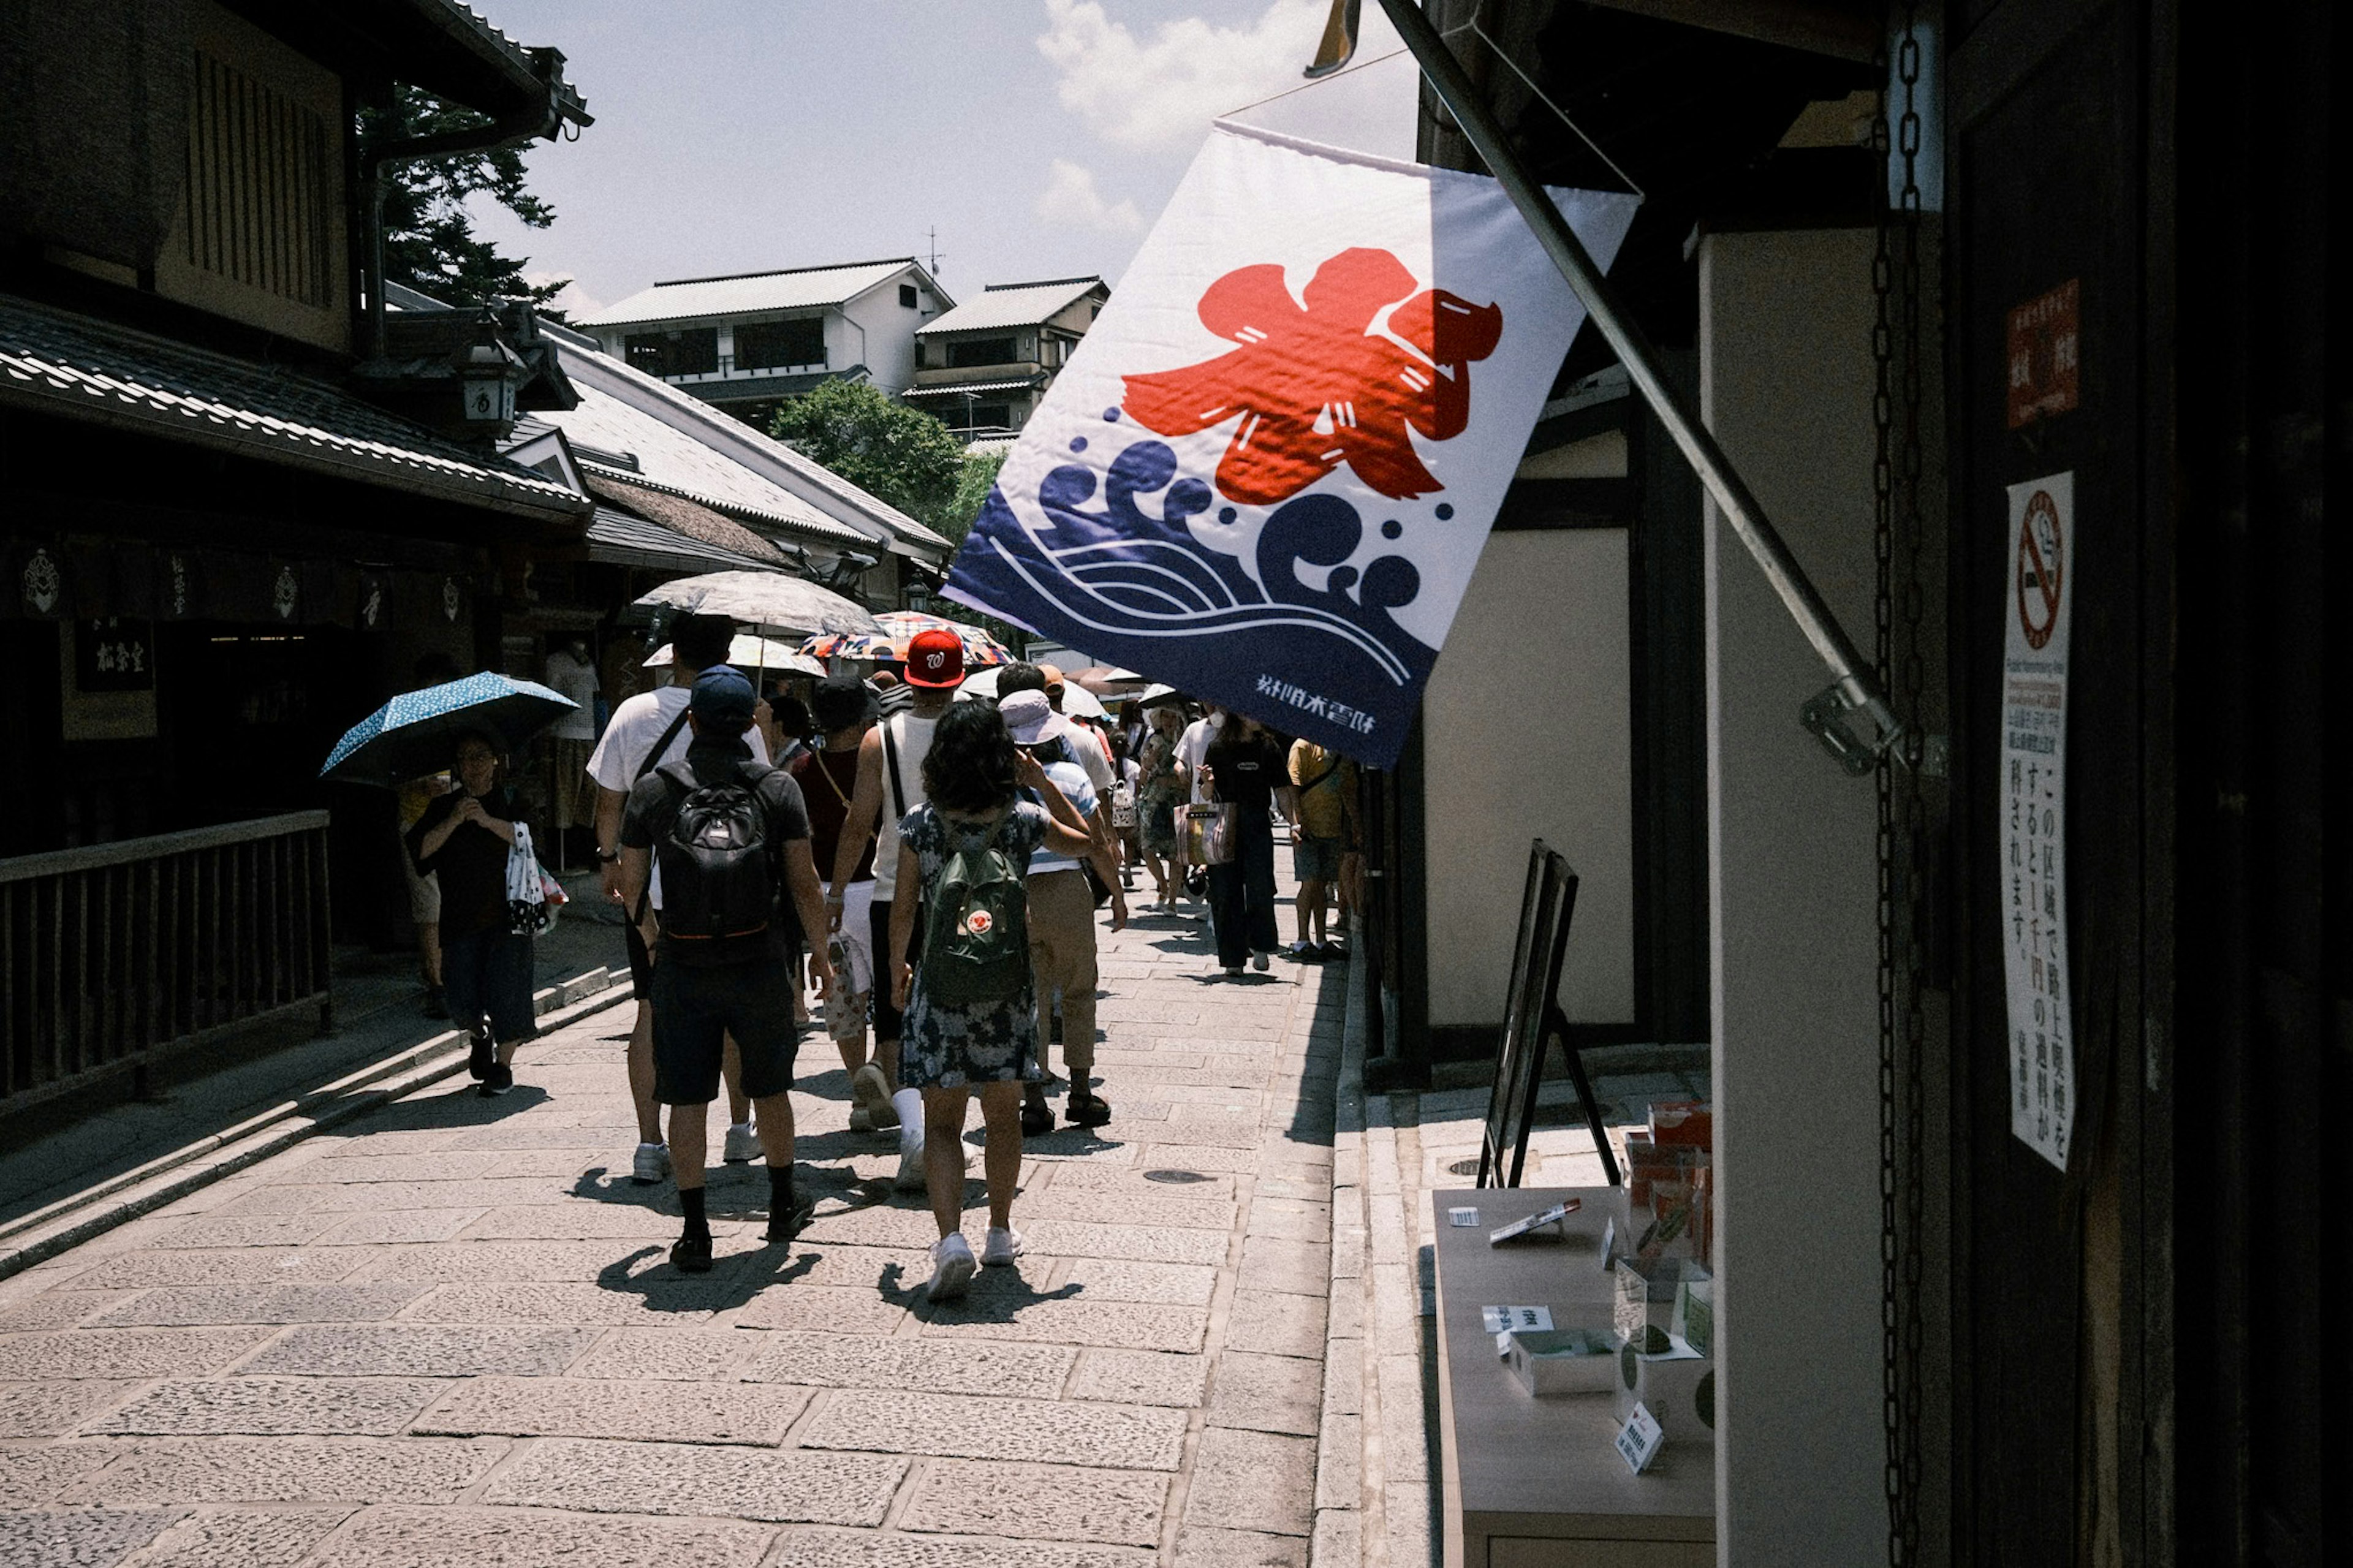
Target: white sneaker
[[1001, 1247], [1257, 961], [651, 1164], [952, 1268], [871, 1093], [910, 1178], [743, 1144]]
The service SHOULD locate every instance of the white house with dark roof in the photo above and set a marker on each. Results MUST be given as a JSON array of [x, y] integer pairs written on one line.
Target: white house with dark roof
[[753, 338], [983, 365]]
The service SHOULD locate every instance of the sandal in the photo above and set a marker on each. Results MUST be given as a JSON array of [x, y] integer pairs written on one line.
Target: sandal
[[1084, 1110], [1037, 1119]]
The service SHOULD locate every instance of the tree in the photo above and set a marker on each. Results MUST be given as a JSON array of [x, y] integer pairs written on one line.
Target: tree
[[973, 485], [429, 243], [898, 455]]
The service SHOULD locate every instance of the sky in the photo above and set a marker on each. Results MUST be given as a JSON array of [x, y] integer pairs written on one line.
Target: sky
[[1039, 138]]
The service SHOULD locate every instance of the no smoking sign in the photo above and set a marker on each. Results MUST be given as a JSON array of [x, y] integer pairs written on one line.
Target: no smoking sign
[[2041, 569]]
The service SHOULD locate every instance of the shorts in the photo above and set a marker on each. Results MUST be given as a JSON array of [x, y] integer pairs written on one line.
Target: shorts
[[487, 975], [888, 1020], [1314, 859], [424, 891], [696, 1008], [845, 1013], [641, 961]]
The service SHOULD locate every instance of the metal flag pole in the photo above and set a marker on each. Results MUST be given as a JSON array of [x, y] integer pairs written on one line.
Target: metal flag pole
[[1854, 687]]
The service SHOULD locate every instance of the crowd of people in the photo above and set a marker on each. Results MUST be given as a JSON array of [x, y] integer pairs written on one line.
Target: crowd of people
[[930, 871]]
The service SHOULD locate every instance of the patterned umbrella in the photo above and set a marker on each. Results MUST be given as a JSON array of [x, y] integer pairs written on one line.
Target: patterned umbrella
[[899, 630], [415, 733]]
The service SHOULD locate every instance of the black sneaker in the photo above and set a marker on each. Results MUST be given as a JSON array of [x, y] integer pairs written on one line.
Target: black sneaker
[[784, 1227], [481, 1056], [690, 1254], [1037, 1119], [498, 1078]]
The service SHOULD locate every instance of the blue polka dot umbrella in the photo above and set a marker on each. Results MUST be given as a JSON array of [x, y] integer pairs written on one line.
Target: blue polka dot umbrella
[[417, 733]]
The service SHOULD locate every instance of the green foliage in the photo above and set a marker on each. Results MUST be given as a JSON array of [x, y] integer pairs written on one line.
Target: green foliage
[[429, 243], [972, 483], [898, 455]]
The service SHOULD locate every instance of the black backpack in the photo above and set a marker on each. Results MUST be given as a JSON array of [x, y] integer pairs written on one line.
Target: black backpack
[[720, 872]]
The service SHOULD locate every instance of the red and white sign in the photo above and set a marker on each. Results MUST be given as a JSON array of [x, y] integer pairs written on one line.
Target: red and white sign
[[2044, 337], [2033, 794]]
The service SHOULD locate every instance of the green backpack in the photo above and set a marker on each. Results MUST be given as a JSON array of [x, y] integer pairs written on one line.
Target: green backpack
[[977, 937]]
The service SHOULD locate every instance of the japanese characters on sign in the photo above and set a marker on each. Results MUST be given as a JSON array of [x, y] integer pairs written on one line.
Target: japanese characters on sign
[[2044, 337], [1266, 474], [2033, 800], [116, 654]]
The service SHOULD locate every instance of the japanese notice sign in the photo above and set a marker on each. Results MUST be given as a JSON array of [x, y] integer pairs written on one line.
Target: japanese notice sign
[[2043, 338], [116, 654], [2033, 797], [1266, 473]]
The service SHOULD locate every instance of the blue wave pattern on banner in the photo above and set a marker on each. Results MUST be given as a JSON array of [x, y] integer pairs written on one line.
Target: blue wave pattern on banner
[[1128, 581]]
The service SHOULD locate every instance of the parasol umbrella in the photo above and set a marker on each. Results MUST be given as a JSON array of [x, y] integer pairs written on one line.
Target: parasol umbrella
[[1078, 702], [1106, 681], [415, 733], [1158, 696], [980, 687], [746, 652], [896, 628], [765, 601]]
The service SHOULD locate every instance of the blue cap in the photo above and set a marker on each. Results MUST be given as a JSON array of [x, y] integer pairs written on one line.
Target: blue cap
[[722, 696]]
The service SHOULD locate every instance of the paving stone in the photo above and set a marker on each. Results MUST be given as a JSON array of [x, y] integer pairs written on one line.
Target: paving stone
[[371, 1137], [1277, 1323], [53, 1408], [1344, 1381], [1128, 1207], [29, 1476], [404, 1225], [234, 1266], [1071, 1174], [670, 1354], [290, 1469], [1198, 1547], [1340, 1462], [1253, 1481], [122, 1353], [880, 1227], [1298, 1268], [958, 1425], [1113, 1280], [79, 1538], [1168, 1153], [839, 1309], [842, 1548], [1122, 1325], [56, 1309], [629, 1302], [1038, 1502], [1348, 1251], [1141, 1377], [567, 1162], [241, 1538], [966, 1367], [680, 1478], [248, 1230], [584, 1407], [265, 1406], [1339, 1539], [274, 1303], [1081, 1238], [395, 1350], [352, 1196], [1405, 1429], [1291, 1220], [1267, 1394], [362, 1166], [552, 1262], [571, 1222], [1348, 1311], [514, 1538]]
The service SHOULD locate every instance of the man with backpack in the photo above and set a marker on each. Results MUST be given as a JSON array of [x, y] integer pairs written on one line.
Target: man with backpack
[[644, 732], [731, 836]]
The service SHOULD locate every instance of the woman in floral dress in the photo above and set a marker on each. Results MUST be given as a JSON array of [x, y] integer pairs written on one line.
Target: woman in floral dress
[[972, 777]]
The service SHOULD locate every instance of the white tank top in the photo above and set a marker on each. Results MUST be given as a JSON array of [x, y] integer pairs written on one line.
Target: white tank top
[[913, 734]]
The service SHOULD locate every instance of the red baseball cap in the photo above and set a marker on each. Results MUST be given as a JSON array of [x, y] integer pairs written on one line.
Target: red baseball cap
[[936, 659]]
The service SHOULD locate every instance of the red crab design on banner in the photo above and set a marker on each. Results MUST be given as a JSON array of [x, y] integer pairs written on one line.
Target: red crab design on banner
[[1315, 387]]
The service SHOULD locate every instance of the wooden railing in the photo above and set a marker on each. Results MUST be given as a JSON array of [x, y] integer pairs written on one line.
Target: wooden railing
[[113, 956]]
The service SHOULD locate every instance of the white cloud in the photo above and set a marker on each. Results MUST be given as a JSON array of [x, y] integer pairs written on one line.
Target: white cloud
[[1071, 197], [1165, 91]]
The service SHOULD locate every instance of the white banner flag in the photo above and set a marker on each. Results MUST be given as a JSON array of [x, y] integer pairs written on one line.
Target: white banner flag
[[1267, 470]]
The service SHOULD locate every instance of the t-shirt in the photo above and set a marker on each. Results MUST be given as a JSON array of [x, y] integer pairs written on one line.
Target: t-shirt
[[653, 807], [1085, 747], [1248, 768], [827, 781], [635, 725], [572, 677], [1076, 788], [1193, 745], [915, 737], [1323, 810], [471, 864]]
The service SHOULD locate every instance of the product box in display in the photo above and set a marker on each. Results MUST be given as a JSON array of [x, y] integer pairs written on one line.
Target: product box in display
[[1676, 1384], [1646, 1294], [1564, 1361]]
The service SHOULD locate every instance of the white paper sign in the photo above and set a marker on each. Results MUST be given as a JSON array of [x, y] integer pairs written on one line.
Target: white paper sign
[[2036, 623], [1462, 1218], [1640, 1439], [1515, 1320], [1535, 1222]]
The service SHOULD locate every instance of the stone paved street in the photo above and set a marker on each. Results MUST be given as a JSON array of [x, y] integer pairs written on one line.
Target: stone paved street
[[448, 1332]]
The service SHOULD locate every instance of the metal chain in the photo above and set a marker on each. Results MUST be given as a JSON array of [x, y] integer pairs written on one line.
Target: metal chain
[[1897, 354]]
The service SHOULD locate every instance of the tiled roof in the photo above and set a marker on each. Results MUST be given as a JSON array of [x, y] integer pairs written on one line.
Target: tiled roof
[[944, 388], [682, 516], [81, 368], [628, 541], [1017, 305], [805, 289]]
